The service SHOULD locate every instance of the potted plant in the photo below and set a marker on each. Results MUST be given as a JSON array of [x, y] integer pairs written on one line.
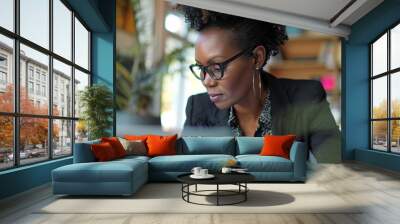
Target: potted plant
[[97, 109]]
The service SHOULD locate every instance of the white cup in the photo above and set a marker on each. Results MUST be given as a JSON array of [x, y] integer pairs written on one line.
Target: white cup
[[226, 170], [203, 172], [196, 170]]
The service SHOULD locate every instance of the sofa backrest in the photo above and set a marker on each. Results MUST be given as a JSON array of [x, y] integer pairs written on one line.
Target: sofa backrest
[[83, 152], [206, 145], [249, 145]]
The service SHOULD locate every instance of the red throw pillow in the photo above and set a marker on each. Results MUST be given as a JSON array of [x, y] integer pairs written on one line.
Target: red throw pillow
[[161, 145], [116, 145], [103, 151], [277, 145]]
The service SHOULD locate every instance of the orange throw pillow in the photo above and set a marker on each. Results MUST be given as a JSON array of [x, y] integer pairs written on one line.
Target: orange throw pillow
[[103, 151], [277, 145], [116, 145], [135, 137], [161, 145]]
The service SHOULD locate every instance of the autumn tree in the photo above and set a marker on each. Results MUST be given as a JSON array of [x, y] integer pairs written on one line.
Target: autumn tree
[[33, 131], [380, 127]]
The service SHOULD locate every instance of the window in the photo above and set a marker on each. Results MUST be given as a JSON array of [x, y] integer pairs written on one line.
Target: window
[[3, 78], [55, 127], [385, 97], [44, 91], [3, 72], [6, 90], [30, 87], [43, 77], [37, 74], [7, 14], [38, 89], [3, 61], [81, 45], [30, 72]]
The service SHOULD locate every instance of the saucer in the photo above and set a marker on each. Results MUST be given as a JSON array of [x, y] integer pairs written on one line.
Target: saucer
[[208, 176]]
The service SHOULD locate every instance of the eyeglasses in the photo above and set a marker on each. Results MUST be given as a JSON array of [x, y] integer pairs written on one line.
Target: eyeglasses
[[215, 70]]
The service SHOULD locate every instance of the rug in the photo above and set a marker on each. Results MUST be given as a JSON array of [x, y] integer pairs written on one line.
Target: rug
[[166, 198]]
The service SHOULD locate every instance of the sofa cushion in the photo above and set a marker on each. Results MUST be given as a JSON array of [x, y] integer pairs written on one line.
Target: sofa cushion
[[185, 163], [249, 145], [206, 145], [111, 171], [257, 163], [83, 152]]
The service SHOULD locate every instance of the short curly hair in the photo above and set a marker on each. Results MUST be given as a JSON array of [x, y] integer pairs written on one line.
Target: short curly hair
[[247, 32]]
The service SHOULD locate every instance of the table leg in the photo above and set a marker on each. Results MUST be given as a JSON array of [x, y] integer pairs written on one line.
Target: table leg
[[245, 191], [217, 194], [196, 188]]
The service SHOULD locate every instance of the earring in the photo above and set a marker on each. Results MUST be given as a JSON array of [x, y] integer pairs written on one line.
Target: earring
[[259, 83], [254, 89]]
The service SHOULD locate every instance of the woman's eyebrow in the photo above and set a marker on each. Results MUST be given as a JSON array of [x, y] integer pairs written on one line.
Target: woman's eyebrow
[[211, 59]]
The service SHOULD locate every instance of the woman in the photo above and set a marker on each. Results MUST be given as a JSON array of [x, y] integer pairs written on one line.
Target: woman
[[230, 54]]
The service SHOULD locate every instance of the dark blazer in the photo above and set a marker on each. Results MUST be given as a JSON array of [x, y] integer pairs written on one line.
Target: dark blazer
[[297, 107]]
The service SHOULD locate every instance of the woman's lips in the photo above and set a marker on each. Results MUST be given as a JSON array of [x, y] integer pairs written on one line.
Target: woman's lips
[[216, 97]]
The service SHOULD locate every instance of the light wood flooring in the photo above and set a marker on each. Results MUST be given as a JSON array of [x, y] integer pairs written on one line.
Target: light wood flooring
[[378, 188]]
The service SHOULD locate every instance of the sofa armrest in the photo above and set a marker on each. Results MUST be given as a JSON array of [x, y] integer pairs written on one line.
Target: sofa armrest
[[298, 155], [83, 152]]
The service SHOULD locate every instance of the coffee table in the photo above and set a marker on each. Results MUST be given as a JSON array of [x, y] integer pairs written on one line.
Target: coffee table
[[238, 179]]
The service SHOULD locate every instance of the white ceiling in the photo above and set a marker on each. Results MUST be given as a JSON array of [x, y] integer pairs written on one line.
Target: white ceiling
[[315, 15]]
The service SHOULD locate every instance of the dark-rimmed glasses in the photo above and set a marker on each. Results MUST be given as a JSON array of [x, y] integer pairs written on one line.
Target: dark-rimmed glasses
[[215, 70]]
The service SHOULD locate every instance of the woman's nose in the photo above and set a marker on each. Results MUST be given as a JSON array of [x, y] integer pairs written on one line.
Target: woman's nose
[[208, 81]]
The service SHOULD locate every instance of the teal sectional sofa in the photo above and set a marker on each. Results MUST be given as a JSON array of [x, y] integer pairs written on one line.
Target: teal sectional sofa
[[125, 176]]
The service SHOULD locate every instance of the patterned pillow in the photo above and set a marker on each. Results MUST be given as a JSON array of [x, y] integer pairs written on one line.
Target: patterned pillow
[[134, 147]]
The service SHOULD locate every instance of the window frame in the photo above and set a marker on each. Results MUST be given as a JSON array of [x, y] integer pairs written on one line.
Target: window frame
[[16, 115], [388, 74]]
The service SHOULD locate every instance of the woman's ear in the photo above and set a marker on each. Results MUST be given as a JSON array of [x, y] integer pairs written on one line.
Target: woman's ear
[[259, 54]]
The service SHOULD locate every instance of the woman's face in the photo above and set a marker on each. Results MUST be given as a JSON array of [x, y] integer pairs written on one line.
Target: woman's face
[[215, 45]]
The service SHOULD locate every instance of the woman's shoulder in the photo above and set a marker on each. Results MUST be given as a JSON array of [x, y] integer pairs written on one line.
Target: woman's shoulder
[[300, 90], [200, 111]]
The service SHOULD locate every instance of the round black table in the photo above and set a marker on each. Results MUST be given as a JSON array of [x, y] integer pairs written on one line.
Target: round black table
[[239, 179]]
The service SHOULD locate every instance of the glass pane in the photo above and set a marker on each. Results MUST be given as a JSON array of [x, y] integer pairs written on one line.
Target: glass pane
[[395, 136], [379, 97], [62, 138], [6, 142], [6, 74], [62, 29], [395, 94], [81, 81], [7, 14], [395, 47], [34, 92], [33, 139], [379, 55], [35, 21], [379, 135], [81, 131], [62, 89], [81, 45]]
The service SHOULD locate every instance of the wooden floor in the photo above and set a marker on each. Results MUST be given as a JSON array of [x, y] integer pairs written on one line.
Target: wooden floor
[[378, 188]]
